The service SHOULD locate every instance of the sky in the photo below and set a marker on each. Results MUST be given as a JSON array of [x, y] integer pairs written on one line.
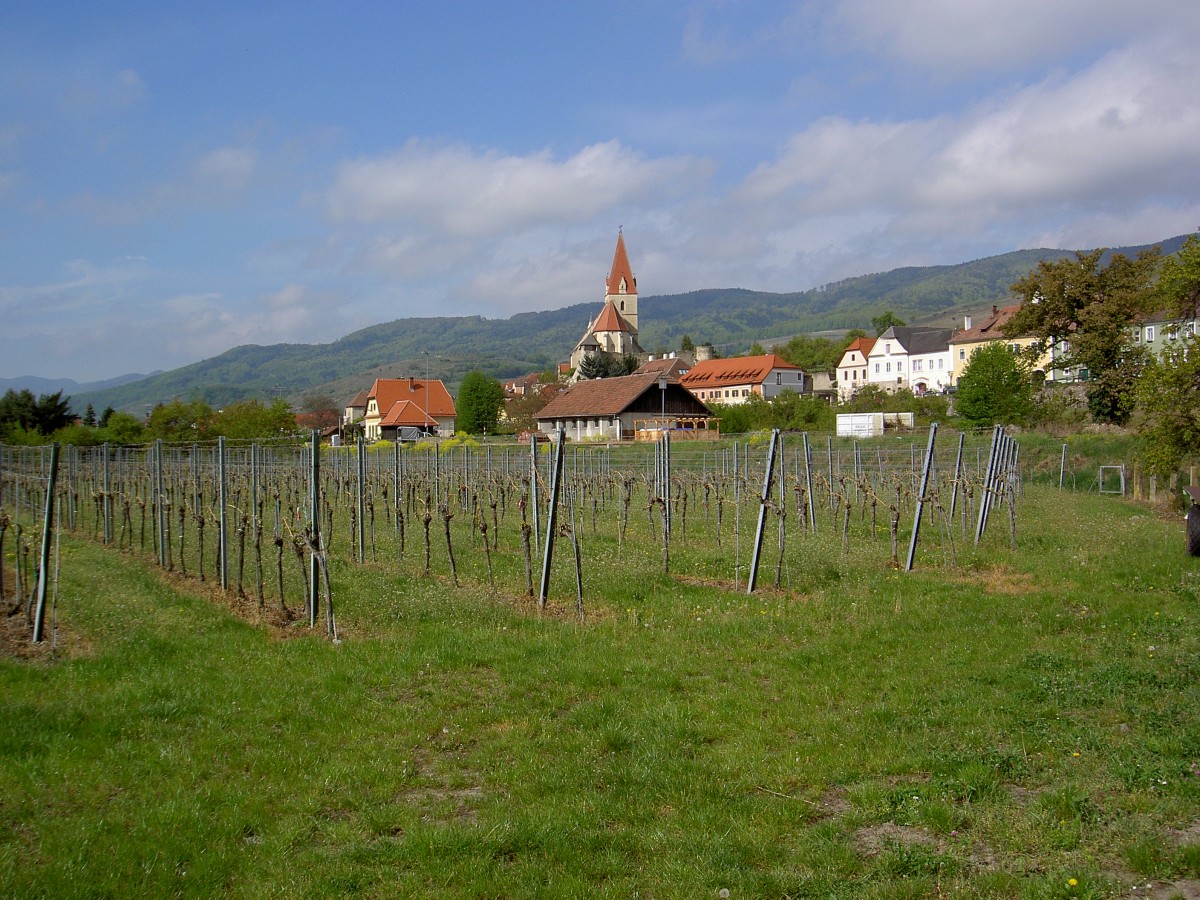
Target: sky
[[180, 179]]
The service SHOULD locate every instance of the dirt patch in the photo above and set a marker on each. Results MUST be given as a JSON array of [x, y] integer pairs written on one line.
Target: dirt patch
[[834, 802], [1188, 889], [1001, 580], [58, 641], [874, 839], [1185, 837]]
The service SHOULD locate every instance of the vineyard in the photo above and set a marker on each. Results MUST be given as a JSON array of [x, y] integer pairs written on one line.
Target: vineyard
[[267, 523], [478, 670]]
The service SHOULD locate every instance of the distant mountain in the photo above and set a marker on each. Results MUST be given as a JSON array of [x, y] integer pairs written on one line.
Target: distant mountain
[[447, 348], [68, 386]]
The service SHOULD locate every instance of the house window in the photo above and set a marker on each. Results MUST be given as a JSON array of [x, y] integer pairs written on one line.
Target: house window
[[887, 348], [854, 372], [899, 364], [1137, 336], [876, 368], [962, 354], [845, 376], [1149, 333], [940, 362], [889, 367], [779, 378]]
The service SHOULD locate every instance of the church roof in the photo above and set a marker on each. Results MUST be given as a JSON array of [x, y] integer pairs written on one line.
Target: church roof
[[610, 320], [620, 270]]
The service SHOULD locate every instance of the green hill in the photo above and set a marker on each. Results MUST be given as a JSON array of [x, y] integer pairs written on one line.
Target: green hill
[[447, 348]]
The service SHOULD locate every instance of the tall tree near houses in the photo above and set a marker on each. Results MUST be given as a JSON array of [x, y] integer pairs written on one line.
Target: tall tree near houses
[[477, 407], [1083, 308]]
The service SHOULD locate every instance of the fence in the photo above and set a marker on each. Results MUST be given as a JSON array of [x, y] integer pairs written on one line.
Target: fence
[[235, 515]]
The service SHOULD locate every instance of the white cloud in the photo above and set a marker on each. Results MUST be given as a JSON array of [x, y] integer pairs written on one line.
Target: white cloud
[[968, 35], [1112, 138], [462, 193], [227, 167]]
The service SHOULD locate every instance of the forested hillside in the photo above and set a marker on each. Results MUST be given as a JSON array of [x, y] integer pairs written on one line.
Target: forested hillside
[[448, 348]]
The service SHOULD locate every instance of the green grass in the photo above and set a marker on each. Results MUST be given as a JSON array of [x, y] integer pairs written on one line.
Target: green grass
[[997, 728]]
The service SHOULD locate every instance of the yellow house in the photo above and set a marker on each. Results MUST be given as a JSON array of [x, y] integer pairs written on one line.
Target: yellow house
[[991, 330]]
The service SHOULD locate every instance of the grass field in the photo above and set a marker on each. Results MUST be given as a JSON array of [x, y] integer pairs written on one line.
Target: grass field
[[1021, 724]]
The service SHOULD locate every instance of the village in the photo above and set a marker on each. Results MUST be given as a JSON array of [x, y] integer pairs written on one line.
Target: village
[[611, 389]]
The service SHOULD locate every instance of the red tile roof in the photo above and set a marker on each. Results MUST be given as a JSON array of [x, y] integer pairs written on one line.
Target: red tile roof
[[406, 412], [430, 395], [862, 344], [739, 370], [991, 329], [610, 320]]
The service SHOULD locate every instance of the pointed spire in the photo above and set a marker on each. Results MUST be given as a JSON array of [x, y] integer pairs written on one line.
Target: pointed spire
[[620, 278]]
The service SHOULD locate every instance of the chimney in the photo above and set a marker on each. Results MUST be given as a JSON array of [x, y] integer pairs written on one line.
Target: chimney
[[966, 323], [994, 310]]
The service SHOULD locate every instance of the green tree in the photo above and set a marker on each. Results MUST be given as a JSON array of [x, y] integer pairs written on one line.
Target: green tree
[[121, 428], [1179, 279], [478, 404], [884, 321], [812, 354], [994, 388], [254, 420], [686, 345], [1169, 398], [22, 411], [89, 416], [800, 412], [1083, 308], [104, 416], [756, 349], [180, 420]]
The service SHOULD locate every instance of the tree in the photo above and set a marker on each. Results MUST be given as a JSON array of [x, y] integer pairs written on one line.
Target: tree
[[1179, 279], [1168, 396], [884, 321], [756, 349], [604, 365], [478, 404], [522, 411], [253, 420], [686, 345], [102, 422], [1083, 309], [89, 416], [812, 354], [994, 388], [322, 408], [180, 420], [20, 410], [122, 428]]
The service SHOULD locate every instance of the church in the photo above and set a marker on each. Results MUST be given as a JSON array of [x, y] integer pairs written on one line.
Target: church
[[615, 329]]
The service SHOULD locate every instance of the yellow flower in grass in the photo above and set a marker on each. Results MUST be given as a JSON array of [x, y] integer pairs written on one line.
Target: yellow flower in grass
[[1073, 882]]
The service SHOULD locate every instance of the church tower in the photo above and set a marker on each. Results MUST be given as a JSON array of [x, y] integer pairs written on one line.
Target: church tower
[[621, 287]]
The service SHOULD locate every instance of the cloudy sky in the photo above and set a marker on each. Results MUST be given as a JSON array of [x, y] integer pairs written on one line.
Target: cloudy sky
[[178, 179]]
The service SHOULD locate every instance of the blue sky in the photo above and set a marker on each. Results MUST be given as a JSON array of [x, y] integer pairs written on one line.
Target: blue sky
[[179, 179]]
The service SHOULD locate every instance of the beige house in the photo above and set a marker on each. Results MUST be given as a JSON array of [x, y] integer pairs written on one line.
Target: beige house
[[397, 407], [990, 331], [852, 367]]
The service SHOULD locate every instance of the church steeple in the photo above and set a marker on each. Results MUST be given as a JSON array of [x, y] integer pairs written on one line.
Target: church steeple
[[621, 287]]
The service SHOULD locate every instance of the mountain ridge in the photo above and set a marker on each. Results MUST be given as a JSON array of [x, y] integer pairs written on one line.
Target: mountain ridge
[[447, 347]]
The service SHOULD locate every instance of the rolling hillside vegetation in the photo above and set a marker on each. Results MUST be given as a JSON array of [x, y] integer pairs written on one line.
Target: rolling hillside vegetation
[[447, 348]]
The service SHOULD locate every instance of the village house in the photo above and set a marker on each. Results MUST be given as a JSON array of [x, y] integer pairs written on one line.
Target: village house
[[404, 408], [617, 408], [989, 331], [615, 328], [1160, 330], [734, 380], [910, 357], [852, 367]]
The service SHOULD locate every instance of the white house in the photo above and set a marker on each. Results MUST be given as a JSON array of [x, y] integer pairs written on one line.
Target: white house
[[910, 357]]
